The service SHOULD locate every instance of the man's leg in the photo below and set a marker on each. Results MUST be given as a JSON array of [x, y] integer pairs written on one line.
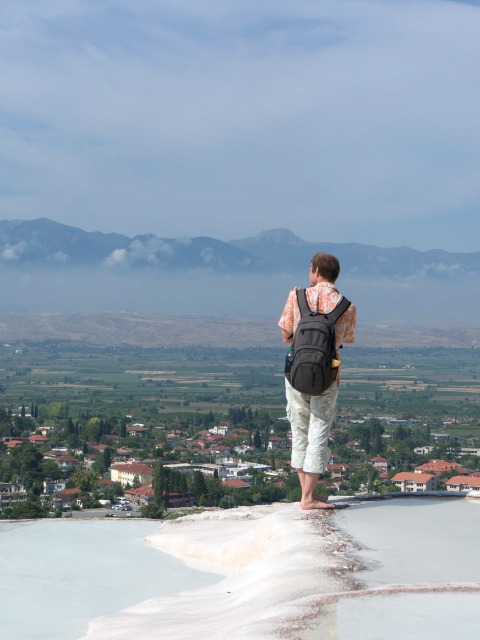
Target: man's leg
[[299, 414], [322, 414], [310, 500]]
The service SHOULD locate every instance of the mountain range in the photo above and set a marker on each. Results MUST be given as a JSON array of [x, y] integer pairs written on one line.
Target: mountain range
[[45, 243]]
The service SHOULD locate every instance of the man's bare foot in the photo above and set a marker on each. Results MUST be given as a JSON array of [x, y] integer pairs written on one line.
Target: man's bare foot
[[318, 503]]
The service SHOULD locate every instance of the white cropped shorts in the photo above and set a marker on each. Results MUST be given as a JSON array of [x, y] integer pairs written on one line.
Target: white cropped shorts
[[311, 418]]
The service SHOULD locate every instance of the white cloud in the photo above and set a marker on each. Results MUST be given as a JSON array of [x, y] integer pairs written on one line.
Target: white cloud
[[61, 257], [147, 250], [117, 257], [208, 255], [14, 252], [441, 269], [151, 250]]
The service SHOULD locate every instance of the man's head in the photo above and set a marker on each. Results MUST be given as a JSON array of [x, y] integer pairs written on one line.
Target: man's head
[[324, 267]]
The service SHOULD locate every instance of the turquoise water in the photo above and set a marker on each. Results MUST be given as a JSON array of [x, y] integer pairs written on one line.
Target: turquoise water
[[56, 575], [416, 616], [416, 540], [424, 548]]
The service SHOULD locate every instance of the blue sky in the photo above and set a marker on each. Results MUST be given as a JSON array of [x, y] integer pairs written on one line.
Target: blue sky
[[342, 120]]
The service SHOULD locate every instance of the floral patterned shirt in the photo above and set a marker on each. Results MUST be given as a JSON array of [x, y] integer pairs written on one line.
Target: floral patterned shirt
[[323, 297]]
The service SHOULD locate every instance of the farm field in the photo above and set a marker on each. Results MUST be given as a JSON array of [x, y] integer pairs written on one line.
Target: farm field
[[158, 384]]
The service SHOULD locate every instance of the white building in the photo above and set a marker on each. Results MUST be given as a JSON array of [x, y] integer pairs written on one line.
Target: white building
[[128, 473], [415, 482]]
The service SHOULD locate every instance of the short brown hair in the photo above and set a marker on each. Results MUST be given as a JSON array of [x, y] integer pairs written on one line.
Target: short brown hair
[[328, 266]]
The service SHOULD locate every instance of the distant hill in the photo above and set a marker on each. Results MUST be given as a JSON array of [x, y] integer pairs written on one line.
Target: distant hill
[[50, 243], [24, 243], [286, 252], [47, 267], [156, 330], [42, 242]]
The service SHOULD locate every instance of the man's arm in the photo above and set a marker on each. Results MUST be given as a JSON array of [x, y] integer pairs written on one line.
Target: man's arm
[[286, 321], [345, 327]]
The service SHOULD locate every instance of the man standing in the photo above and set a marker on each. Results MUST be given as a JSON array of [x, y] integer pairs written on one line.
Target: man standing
[[312, 416]]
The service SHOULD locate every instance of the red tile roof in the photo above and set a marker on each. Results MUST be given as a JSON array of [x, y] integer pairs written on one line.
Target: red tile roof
[[140, 469], [470, 481], [14, 443], [66, 459], [236, 484], [38, 438], [141, 491], [437, 466], [68, 493], [414, 477]]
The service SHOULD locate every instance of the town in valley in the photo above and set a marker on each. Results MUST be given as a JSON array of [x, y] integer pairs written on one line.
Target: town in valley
[[131, 432]]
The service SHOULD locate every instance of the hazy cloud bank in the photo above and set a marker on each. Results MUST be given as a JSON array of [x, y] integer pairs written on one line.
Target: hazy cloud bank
[[418, 302]]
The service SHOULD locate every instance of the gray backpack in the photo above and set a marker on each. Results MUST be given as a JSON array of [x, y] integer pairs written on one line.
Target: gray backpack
[[308, 366]]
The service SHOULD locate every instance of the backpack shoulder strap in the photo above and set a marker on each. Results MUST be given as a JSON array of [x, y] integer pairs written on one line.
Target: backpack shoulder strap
[[340, 309], [302, 302]]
